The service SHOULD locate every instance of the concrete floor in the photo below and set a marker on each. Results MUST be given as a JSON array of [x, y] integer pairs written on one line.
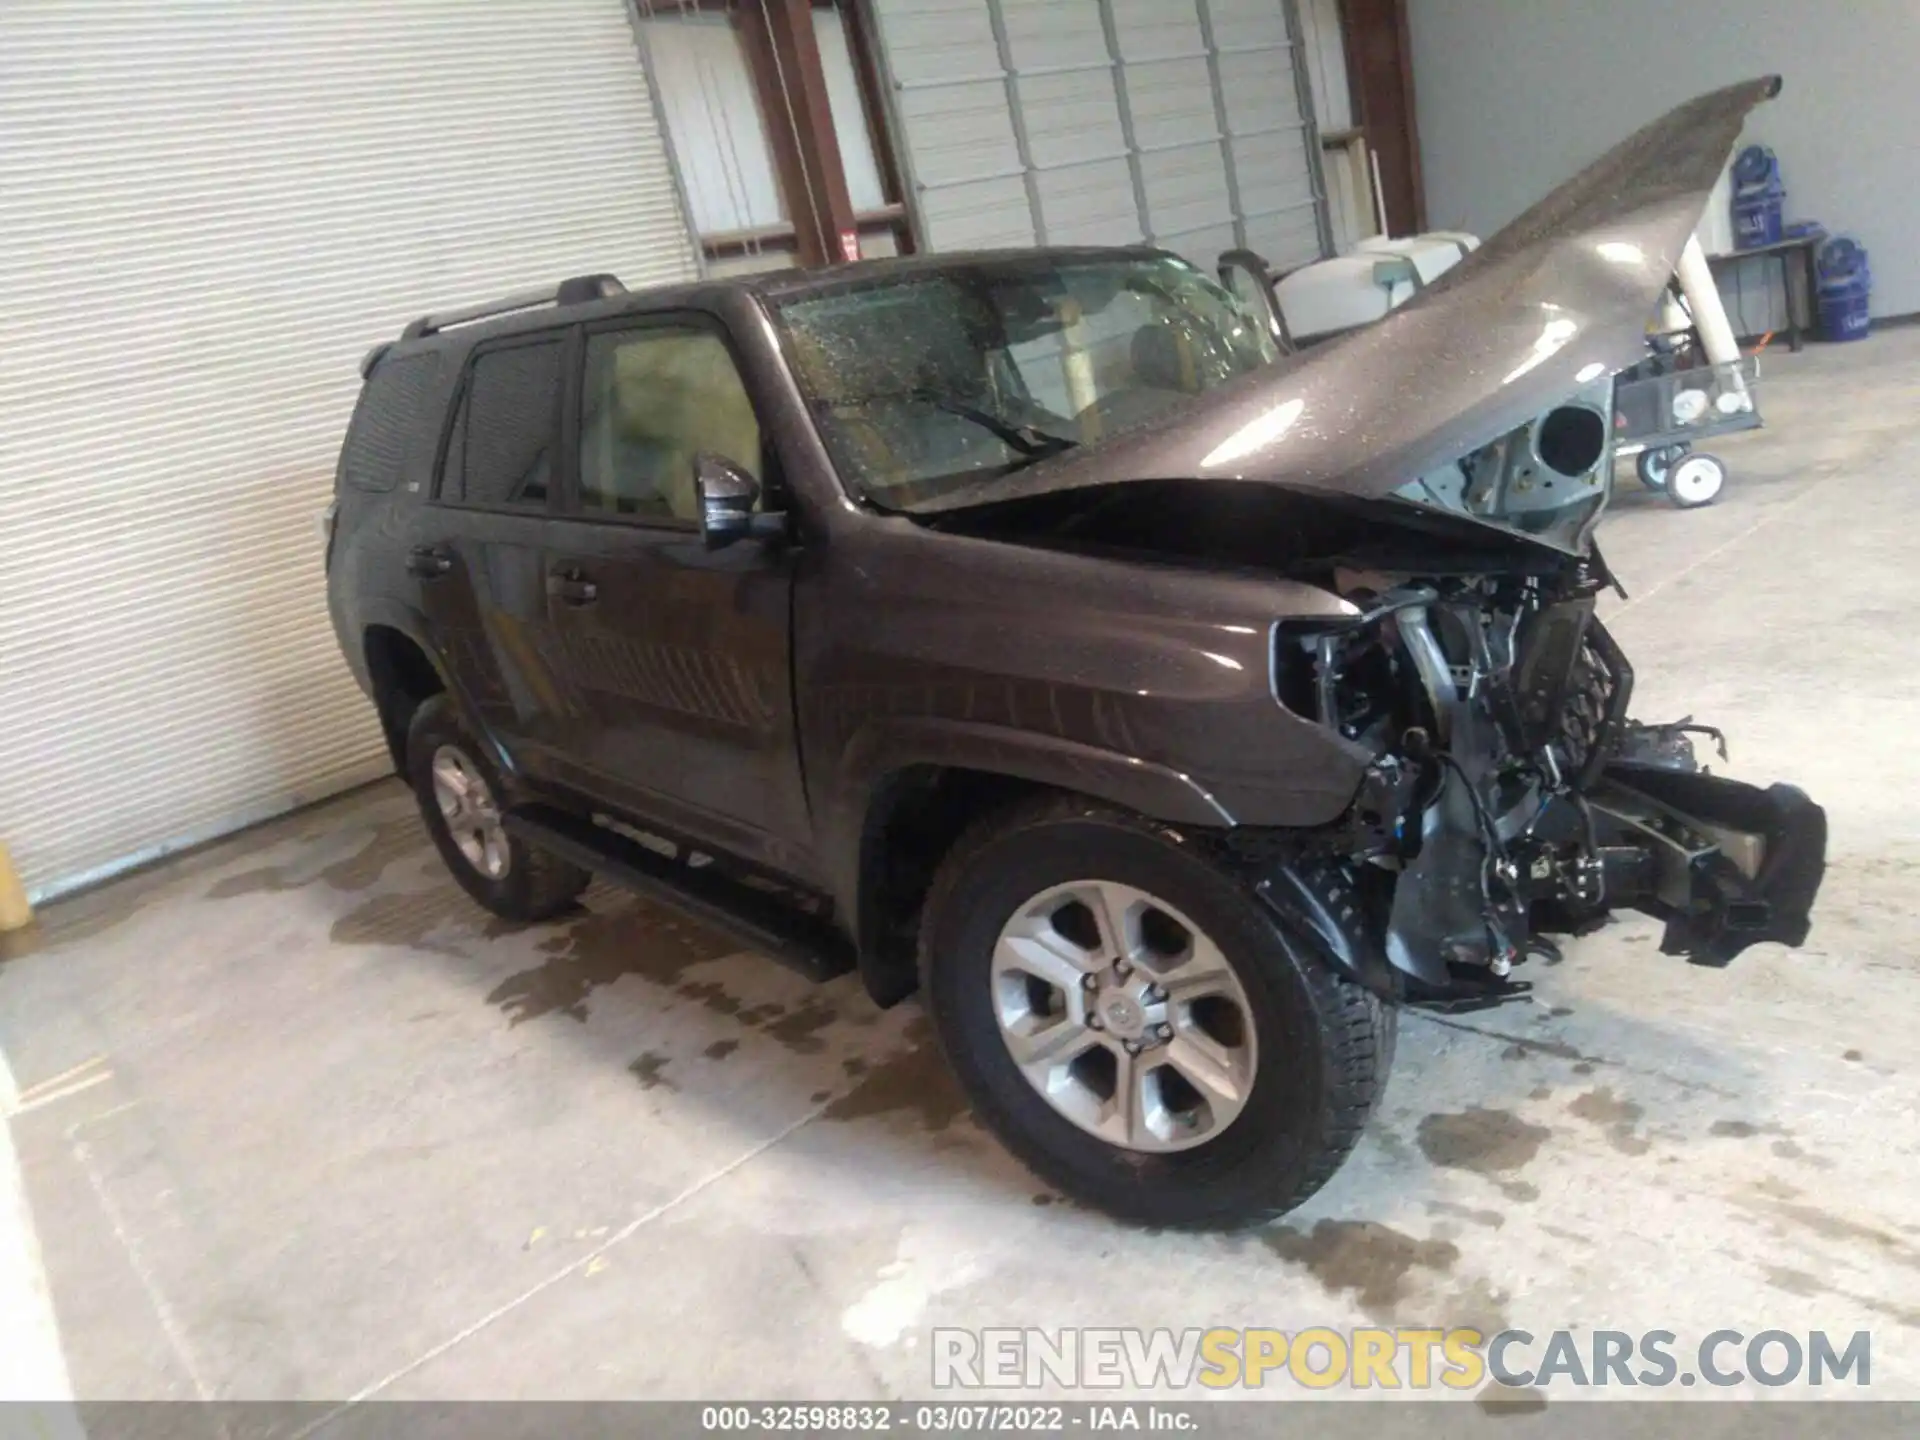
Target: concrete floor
[[296, 1120]]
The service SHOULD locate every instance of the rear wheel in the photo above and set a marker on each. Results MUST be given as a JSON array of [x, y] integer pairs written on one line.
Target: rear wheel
[[1136, 1028], [459, 797], [1696, 480]]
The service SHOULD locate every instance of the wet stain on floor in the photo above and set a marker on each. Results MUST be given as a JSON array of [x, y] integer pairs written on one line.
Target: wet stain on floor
[[1840, 1229], [390, 841], [1617, 1117], [799, 1029], [603, 946], [1475, 1305], [1734, 1129], [1491, 1219], [410, 919], [720, 1049], [1492, 1143], [1391, 1145], [1809, 1287], [915, 1082], [1372, 1262], [1790, 1150], [1794, 1282], [649, 1071], [1497, 1400]]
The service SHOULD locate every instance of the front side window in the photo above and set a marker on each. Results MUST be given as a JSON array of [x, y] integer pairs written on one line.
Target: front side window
[[506, 435], [923, 381], [654, 400]]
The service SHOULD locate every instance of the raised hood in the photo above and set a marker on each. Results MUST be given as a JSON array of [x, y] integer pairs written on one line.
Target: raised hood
[[1553, 302]]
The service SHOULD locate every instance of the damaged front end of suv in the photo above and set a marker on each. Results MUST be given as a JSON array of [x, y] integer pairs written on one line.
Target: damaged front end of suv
[[1456, 459], [1512, 796]]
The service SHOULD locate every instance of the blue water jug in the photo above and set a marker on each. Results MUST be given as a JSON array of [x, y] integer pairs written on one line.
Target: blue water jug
[[1759, 197], [1845, 284]]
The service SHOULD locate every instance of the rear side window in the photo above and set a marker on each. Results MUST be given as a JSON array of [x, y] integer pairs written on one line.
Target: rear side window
[[507, 434], [389, 423]]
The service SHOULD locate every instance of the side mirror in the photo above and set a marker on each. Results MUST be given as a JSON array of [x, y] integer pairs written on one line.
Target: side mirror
[[727, 495], [1247, 278]]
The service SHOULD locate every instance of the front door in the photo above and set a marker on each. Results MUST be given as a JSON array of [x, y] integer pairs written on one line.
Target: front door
[[676, 658], [480, 555]]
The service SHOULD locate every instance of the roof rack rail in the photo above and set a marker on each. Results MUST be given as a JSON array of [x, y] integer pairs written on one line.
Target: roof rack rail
[[577, 291]]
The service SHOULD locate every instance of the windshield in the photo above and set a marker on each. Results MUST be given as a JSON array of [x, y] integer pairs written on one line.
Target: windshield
[[927, 381]]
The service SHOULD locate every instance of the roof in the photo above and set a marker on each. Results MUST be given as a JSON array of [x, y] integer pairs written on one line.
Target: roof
[[536, 310], [781, 285]]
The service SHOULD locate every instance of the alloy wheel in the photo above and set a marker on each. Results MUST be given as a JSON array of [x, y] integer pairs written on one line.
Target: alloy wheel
[[470, 811], [1124, 1016]]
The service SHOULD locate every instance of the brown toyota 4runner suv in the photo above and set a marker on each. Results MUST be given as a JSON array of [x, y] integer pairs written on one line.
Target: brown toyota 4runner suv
[[1023, 628]]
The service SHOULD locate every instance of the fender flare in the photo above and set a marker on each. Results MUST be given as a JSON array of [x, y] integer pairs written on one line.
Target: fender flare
[[406, 621], [887, 748], [1156, 791]]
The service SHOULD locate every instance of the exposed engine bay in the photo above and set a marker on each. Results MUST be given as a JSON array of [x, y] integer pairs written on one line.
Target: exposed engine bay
[[1513, 797]]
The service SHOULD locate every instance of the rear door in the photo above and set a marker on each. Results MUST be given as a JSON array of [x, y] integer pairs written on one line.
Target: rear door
[[679, 657], [480, 553]]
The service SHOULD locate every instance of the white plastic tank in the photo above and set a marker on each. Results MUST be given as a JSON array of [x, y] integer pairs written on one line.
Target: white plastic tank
[[1357, 289]]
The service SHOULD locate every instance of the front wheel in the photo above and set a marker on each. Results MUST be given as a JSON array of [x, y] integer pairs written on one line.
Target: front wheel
[[1136, 1028]]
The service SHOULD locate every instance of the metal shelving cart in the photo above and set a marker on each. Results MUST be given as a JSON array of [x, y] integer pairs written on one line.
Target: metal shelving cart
[[1672, 400]]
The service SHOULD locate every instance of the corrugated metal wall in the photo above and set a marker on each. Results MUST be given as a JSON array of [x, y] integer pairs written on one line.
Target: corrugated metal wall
[[1181, 122], [207, 213]]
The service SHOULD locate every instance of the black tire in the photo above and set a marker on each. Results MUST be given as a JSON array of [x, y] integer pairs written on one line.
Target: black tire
[[536, 885], [1653, 466], [1325, 1045]]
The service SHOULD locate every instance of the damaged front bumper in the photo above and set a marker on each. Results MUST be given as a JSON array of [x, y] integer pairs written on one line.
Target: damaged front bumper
[[1725, 864], [1513, 801]]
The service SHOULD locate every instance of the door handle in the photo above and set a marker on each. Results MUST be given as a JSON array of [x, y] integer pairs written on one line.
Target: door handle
[[429, 561], [571, 587]]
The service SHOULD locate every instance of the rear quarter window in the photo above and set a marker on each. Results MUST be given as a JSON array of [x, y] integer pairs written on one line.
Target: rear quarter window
[[389, 422]]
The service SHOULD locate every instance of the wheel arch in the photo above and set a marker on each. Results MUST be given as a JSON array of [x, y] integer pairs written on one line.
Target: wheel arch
[[402, 672], [922, 783]]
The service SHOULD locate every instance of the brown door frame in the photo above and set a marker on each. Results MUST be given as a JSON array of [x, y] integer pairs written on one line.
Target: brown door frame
[[784, 56], [1379, 55], [782, 52]]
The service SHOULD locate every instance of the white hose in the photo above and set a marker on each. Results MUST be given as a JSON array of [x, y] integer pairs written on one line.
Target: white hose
[[1709, 315]]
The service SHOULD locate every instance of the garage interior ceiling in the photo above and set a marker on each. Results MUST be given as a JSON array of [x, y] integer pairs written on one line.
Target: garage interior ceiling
[[211, 212], [1183, 123]]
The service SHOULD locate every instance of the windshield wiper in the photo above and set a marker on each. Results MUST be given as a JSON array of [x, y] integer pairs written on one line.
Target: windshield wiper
[[1033, 443]]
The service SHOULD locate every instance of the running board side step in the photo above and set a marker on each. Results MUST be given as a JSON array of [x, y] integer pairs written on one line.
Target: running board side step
[[757, 919]]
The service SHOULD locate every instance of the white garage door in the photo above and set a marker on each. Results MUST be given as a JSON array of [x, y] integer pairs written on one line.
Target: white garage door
[[208, 212], [1181, 122]]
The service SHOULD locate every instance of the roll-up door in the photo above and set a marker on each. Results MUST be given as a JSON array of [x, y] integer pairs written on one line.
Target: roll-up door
[[1273, 149], [1182, 122], [209, 212]]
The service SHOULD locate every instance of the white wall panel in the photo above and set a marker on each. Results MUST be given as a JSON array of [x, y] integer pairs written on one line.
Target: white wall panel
[[1515, 98], [209, 213]]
